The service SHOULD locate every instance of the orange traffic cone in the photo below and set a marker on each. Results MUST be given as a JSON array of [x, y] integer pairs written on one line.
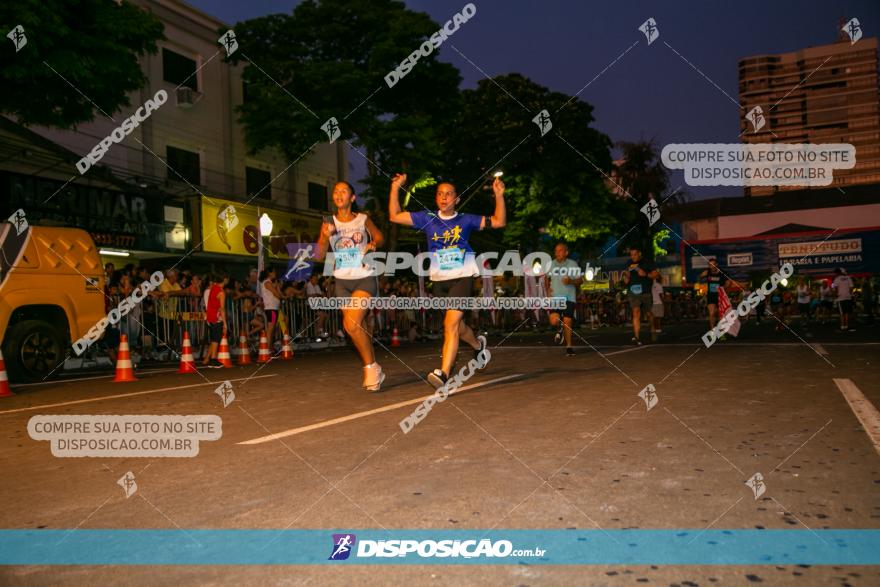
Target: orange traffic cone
[[4, 381], [187, 363], [244, 353], [263, 356], [395, 338], [124, 371], [286, 350], [223, 353]]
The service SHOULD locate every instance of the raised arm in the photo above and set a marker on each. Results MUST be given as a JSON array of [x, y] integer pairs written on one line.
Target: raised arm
[[499, 218], [395, 214]]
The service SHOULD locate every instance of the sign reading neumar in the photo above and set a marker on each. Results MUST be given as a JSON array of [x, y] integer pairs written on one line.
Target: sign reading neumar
[[114, 218]]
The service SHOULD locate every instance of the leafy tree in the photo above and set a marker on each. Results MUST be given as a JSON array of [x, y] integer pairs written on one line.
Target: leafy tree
[[331, 56], [641, 174], [556, 186], [93, 44], [660, 237]]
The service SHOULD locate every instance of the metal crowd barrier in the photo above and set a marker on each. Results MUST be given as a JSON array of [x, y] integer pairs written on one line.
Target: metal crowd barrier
[[155, 327]]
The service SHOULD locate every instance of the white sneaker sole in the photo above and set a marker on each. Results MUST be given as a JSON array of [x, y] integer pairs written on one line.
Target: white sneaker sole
[[376, 386], [435, 381]]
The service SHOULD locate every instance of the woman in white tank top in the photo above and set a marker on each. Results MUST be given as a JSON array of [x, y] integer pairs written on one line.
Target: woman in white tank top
[[352, 235]]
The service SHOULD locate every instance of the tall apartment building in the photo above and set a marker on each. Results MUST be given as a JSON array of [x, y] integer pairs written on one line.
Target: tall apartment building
[[824, 94]]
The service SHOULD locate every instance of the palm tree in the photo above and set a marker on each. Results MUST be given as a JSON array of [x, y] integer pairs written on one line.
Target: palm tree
[[641, 174]]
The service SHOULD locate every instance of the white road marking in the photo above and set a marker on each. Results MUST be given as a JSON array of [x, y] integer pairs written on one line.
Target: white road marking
[[819, 348], [862, 408], [366, 413], [75, 379], [635, 348], [626, 348], [119, 395]]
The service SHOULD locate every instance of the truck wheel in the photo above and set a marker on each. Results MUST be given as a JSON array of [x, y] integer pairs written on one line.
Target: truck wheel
[[33, 351]]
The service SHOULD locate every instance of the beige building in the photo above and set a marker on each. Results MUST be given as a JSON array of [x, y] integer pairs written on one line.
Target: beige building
[[824, 94], [193, 143]]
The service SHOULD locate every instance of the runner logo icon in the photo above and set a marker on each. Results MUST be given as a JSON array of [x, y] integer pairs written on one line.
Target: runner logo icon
[[342, 546]]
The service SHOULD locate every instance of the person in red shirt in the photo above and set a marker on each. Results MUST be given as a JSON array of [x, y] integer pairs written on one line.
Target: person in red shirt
[[215, 316]]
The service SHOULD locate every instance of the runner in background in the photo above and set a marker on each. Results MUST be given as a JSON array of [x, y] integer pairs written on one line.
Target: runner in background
[[803, 298], [454, 268], [657, 309], [271, 296], [843, 285], [352, 235], [638, 279], [215, 317], [564, 280], [714, 279]]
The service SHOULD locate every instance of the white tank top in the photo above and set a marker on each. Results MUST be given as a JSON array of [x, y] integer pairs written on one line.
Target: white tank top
[[270, 301], [349, 244]]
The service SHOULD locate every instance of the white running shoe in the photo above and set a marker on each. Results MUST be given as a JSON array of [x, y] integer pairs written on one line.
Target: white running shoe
[[373, 377]]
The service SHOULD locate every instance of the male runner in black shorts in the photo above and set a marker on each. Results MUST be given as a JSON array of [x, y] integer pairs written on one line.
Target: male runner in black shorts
[[638, 278], [714, 280]]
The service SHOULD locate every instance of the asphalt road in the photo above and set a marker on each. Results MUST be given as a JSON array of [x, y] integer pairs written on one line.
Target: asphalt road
[[536, 440]]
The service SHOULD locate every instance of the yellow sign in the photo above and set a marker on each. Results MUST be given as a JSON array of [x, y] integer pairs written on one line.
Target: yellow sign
[[591, 286], [232, 228]]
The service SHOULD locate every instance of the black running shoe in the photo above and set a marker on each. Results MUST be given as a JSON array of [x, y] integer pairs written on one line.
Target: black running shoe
[[569, 352], [437, 378]]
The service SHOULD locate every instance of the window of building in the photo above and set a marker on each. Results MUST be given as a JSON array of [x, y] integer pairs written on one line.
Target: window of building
[[184, 164], [317, 196], [177, 69], [258, 183]]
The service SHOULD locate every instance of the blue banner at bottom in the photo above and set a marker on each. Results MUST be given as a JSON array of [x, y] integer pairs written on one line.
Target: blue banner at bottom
[[442, 547]]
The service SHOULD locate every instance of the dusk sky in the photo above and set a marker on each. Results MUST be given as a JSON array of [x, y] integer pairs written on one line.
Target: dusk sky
[[650, 92]]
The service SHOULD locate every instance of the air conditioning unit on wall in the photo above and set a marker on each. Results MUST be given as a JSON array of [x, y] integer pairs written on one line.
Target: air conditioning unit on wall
[[187, 97]]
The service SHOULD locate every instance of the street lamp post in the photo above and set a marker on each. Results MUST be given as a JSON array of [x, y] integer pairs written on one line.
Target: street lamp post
[[264, 227]]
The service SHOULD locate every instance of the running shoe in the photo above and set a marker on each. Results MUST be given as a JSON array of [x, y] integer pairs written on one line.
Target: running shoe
[[482, 340], [559, 338], [636, 341], [373, 377], [437, 378], [569, 352]]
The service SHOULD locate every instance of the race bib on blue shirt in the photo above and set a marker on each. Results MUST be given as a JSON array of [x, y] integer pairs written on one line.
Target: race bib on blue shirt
[[450, 258]]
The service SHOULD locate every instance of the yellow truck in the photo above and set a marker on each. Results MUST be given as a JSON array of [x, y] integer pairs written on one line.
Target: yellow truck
[[51, 293]]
